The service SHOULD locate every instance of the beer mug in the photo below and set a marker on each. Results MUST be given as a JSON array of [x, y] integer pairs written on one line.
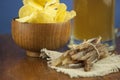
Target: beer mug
[[94, 18]]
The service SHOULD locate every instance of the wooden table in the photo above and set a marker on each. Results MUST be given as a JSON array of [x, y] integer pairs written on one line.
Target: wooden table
[[15, 65]]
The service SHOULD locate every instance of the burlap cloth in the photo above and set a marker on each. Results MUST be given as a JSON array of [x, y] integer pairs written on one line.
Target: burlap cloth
[[102, 67]]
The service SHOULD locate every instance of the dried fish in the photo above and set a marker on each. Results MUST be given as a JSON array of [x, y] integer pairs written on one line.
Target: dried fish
[[85, 54]]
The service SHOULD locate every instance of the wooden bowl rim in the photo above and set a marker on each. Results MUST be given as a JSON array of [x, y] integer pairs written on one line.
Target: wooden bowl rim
[[13, 20]]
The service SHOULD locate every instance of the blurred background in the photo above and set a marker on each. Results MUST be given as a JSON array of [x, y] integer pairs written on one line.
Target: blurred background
[[9, 9]]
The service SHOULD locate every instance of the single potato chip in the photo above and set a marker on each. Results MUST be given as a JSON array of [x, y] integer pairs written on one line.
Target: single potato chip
[[51, 2], [26, 10], [70, 15], [51, 10], [25, 2], [61, 13], [37, 4], [60, 17], [24, 19], [53, 6]]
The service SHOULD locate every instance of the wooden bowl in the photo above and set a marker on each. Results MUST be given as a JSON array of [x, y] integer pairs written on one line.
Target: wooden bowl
[[34, 36]]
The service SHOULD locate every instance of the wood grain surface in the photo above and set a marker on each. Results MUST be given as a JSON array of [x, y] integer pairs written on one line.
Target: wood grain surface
[[15, 65]]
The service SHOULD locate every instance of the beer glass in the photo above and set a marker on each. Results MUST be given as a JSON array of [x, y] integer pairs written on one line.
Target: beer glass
[[94, 18]]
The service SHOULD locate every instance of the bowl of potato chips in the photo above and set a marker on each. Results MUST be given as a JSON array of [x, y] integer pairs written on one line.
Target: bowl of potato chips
[[42, 24]]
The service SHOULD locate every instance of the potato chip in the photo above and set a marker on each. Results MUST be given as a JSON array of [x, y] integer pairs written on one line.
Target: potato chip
[[51, 2], [51, 10], [25, 2], [36, 4], [70, 15], [40, 17], [60, 17], [39, 4], [24, 19], [26, 10], [61, 13], [44, 11], [53, 6]]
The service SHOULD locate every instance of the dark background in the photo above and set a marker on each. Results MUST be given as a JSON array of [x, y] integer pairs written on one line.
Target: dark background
[[9, 9]]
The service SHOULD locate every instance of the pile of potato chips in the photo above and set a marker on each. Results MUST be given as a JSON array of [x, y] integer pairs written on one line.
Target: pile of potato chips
[[44, 11]]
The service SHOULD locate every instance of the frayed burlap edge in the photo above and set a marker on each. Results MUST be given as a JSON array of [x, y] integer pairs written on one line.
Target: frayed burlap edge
[[103, 67]]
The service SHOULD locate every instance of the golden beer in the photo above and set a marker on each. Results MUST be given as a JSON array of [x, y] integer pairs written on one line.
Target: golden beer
[[94, 18]]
